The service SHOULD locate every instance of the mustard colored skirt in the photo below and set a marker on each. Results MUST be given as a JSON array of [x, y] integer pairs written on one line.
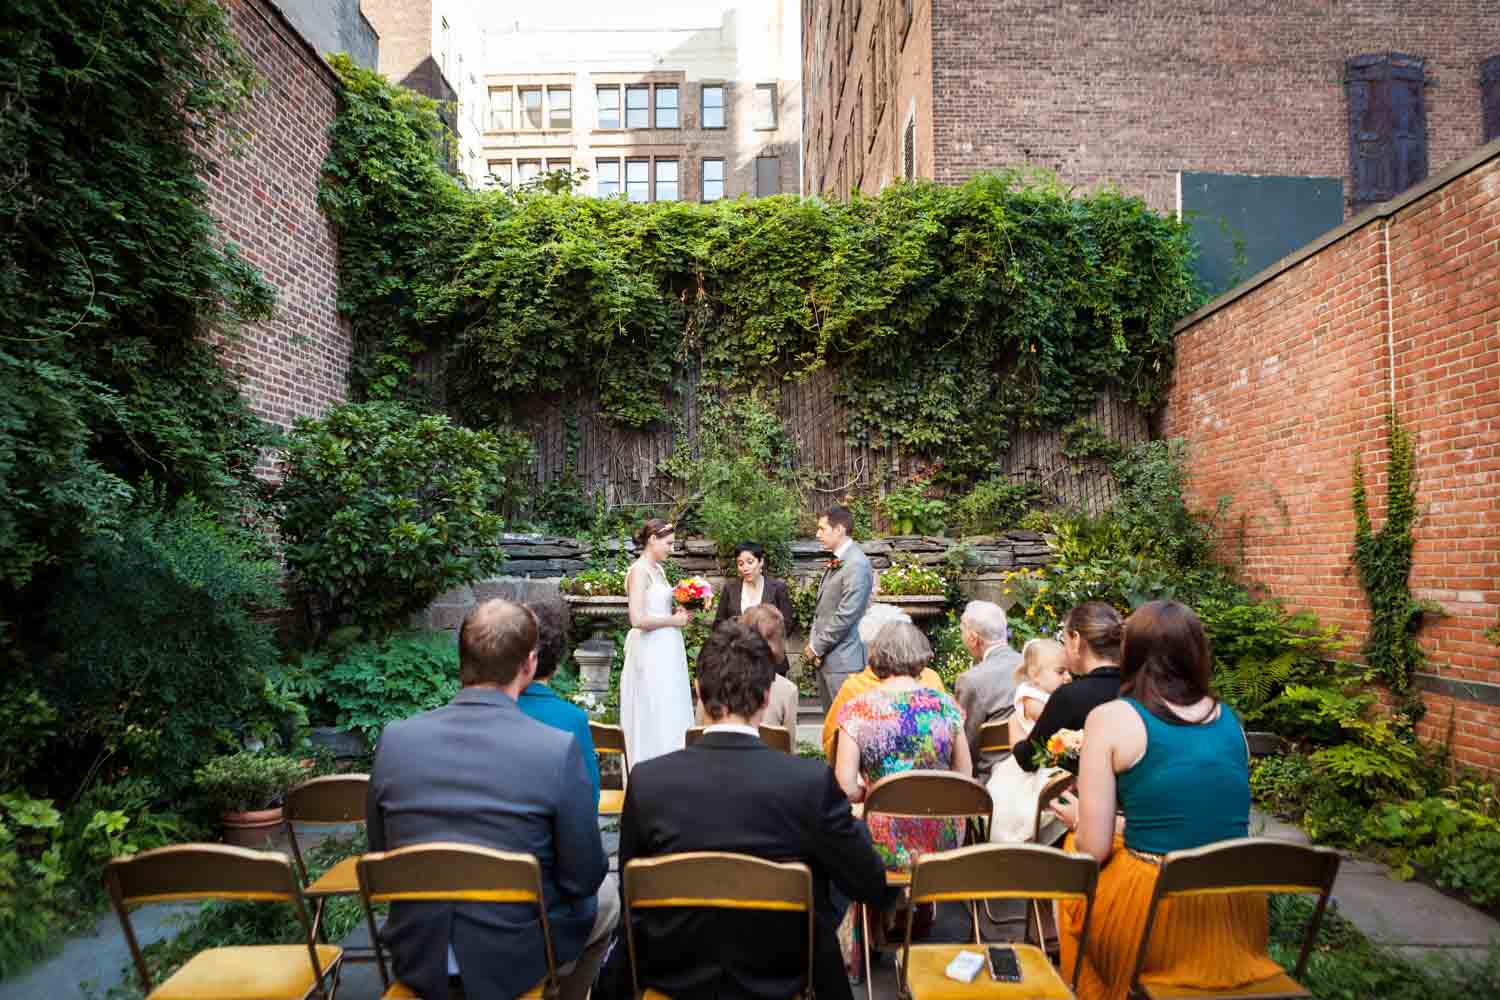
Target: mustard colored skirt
[[1210, 942]]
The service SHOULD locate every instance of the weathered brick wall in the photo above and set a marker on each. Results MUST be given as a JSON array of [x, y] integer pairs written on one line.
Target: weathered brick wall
[[265, 198], [1131, 93], [1277, 390]]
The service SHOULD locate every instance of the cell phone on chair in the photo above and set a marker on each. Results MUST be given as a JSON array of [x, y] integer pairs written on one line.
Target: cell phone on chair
[[1004, 968]]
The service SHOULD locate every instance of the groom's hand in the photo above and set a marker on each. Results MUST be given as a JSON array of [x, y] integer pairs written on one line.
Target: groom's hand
[[808, 654]]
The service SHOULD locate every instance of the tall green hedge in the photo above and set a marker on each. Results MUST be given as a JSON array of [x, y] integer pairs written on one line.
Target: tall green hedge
[[950, 316]]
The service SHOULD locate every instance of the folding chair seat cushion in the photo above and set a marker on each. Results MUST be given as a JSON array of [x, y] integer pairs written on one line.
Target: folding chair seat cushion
[[1279, 987], [248, 972], [928, 980], [340, 880], [611, 801], [400, 991]]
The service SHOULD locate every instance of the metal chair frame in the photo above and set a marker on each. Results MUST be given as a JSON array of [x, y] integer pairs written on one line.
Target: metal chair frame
[[332, 800], [1001, 871], [1247, 864], [925, 794], [210, 871], [452, 872], [717, 880]]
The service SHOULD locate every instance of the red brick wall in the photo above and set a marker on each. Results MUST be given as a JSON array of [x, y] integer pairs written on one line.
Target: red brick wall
[[1277, 391], [295, 364], [1131, 93]]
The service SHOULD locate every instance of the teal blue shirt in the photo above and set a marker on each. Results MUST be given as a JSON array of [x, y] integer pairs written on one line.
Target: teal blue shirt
[[550, 708], [1191, 788]]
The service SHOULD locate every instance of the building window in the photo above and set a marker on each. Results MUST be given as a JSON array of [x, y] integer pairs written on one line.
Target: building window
[[638, 180], [559, 165], [666, 180], [765, 105], [609, 177], [609, 107], [447, 43], [501, 119], [713, 107], [559, 107], [1489, 97], [531, 108], [767, 176], [909, 149], [1387, 125], [713, 180], [637, 107], [500, 172], [666, 108], [527, 170]]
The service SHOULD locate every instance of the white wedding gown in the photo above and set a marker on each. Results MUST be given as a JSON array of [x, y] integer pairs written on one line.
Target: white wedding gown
[[656, 700]]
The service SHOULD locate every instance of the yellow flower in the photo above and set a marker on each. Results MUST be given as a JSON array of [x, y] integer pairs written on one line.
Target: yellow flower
[[1049, 609], [1055, 744]]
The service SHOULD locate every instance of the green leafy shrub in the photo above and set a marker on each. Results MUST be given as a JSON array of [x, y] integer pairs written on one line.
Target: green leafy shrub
[[1410, 832], [596, 581], [163, 653], [1284, 783], [246, 781], [950, 657], [382, 681], [385, 509], [1150, 509], [1470, 865], [908, 510], [1260, 649], [995, 505]]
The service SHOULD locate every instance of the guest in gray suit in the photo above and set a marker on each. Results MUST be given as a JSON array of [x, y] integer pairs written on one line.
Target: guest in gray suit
[[833, 642], [986, 691], [480, 771]]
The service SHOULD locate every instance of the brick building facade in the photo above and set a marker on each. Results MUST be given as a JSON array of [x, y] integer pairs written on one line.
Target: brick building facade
[[1128, 93], [264, 195], [655, 105], [1282, 383]]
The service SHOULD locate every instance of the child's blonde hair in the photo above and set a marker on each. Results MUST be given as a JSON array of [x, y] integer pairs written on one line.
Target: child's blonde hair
[[1032, 655]]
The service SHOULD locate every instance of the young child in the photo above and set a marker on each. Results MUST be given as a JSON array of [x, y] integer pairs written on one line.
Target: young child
[[1014, 792], [1043, 669]]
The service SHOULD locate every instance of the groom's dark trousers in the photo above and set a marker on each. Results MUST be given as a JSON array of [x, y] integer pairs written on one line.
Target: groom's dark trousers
[[730, 792]]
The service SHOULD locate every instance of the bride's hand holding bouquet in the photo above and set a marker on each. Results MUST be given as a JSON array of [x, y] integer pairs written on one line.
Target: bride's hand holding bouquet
[[693, 593]]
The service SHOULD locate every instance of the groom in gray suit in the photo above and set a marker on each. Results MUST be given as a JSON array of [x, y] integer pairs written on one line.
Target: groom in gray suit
[[834, 643]]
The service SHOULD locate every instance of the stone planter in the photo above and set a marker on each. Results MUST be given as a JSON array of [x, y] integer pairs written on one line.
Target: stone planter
[[603, 613], [594, 658], [344, 744], [251, 829], [917, 606]]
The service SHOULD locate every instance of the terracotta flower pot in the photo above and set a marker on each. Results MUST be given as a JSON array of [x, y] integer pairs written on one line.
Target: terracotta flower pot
[[251, 829]]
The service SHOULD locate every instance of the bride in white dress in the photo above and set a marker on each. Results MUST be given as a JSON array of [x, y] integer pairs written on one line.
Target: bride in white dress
[[656, 701]]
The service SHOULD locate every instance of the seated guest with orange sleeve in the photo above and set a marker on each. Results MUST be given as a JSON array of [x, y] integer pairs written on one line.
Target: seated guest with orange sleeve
[[1174, 759], [731, 792]]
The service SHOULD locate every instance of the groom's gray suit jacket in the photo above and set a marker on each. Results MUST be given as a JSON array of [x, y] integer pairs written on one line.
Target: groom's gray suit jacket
[[842, 600]]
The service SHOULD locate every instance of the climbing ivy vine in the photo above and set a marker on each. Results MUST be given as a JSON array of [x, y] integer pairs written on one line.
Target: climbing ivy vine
[[949, 317], [1383, 559]]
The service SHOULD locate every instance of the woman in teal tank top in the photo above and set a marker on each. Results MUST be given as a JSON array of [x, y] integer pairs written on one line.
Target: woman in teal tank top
[[1173, 759]]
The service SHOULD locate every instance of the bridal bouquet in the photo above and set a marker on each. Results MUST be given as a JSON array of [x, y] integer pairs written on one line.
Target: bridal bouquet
[[693, 593], [1061, 750]]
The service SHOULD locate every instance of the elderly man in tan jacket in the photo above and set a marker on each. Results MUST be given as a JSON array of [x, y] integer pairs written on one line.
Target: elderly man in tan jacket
[[986, 692]]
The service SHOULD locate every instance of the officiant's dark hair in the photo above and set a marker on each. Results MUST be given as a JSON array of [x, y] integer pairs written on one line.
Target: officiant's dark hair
[[841, 516], [735, 671], [754, 548], [653, 528]]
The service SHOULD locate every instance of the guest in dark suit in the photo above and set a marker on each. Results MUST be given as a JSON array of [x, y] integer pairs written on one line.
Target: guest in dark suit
[[480, 771], [1091, 633], [752, 588], [730, 792]]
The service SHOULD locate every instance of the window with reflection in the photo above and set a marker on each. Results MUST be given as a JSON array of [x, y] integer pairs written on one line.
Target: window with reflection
[[666, 180], [608, 174], [609, 107], [637, 107], [713, 107], [638, 180], [666, 108], [713, 180]]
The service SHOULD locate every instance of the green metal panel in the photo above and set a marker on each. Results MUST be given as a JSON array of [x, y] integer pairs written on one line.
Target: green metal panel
[[1245, 222]]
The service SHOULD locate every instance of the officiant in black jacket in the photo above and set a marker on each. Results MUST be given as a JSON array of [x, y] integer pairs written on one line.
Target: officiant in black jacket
[[755, 587]]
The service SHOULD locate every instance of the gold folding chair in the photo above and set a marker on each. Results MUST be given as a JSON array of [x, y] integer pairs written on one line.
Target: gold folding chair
[[1054, 789], [929, 795], [986, 872], [611, 740], [334, 799], [218, 871], [1249, 864], [775, 737], [994, 737], [436, 873], [716, 880]]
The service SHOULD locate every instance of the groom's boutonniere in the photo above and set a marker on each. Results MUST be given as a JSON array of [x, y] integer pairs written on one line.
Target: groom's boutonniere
[[834, 564]]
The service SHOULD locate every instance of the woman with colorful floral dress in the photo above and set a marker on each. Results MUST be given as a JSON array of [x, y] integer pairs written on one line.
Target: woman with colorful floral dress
[[897, 727]]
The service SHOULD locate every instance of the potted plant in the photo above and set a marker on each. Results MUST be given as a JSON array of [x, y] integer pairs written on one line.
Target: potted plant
[[243, 787], [918, 590]]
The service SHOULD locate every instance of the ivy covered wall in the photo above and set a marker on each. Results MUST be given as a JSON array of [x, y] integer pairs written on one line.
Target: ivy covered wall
[[945, 320]]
